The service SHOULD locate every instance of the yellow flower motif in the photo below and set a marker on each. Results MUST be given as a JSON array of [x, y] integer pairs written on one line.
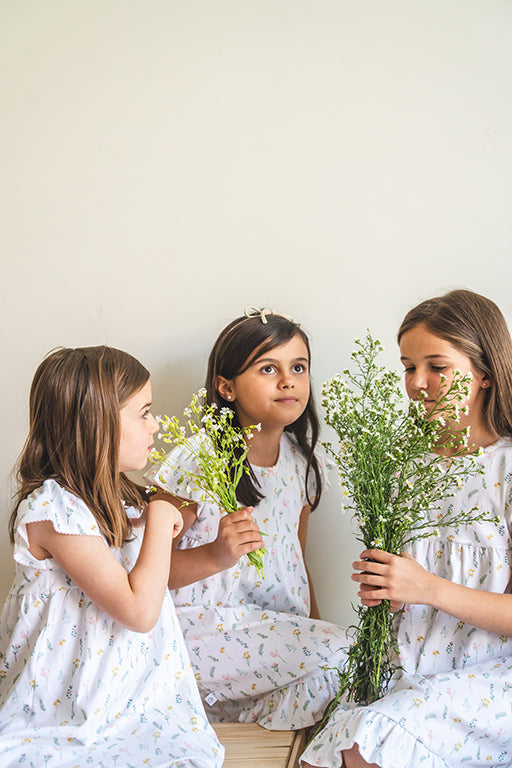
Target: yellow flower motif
[[219, 628], [56, 702], [61, 642], [247, 655], [458, 746], [420, 638], [435, 653], [485, 702], [418, 702]]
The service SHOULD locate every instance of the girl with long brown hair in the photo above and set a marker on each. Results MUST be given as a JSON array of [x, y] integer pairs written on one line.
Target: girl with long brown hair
[[450, 703], [257, 646], [93, 667]]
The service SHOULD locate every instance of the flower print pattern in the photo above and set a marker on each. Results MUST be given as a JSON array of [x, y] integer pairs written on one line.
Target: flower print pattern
[[450, 703], [79, 689], [251, 641]]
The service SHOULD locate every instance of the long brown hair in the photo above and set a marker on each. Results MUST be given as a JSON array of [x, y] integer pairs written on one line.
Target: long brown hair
[[474, 325], [235, 350], [75, 400]]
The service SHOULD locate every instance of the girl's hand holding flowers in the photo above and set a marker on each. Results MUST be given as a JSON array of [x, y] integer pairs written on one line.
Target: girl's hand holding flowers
[[397, 578], [238, 535]]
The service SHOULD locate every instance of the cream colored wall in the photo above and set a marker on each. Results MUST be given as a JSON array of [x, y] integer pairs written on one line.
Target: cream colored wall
[[165, 164]]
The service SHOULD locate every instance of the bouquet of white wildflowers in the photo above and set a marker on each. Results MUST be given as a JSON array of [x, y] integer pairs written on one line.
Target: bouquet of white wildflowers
[[219, 449], [394, 483]]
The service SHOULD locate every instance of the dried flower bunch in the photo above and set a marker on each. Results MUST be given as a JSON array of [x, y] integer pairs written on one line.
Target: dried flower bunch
[[392, 461], [218, 448]]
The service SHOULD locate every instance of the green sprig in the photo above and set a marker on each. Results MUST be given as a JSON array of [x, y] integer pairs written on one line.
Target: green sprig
[[393, 467], [218, 448]]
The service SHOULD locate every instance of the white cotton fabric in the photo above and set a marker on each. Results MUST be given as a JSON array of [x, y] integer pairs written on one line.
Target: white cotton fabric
[[77, 688], [452, 704], [250, 640]]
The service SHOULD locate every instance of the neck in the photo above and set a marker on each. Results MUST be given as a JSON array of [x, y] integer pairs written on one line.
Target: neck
[[264, 447], [479, 437]]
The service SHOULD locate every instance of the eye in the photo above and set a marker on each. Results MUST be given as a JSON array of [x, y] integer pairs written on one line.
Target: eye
[[268, 369], [439, 368], [146, 414], [300, 368], [409, 369]]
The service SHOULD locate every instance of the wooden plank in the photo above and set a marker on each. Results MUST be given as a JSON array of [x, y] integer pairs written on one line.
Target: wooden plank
[[297, 749], [248, 745]]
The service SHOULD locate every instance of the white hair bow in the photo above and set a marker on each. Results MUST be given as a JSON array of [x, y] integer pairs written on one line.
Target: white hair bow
[[263, 313]]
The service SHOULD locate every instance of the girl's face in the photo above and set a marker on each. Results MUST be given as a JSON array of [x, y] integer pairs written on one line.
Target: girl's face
[[425, 357], [274, 390], [138, 426]]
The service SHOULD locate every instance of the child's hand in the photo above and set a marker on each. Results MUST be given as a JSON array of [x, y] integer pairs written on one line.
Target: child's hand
[[175, 514], [238, 534], [397, 578]]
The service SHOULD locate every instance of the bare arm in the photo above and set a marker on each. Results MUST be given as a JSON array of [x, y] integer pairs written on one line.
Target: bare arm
[[133, 599], [238, 534], [303, 535], [403, 579]]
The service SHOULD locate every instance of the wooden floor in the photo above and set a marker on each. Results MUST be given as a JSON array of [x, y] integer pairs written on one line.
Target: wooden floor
[[248, 745]]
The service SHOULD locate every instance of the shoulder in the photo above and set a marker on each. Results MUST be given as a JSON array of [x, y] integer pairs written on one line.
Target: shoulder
[[294, 452], [66, 512]]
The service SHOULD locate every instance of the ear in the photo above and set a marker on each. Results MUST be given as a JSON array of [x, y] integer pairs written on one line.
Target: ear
[[486, 382], [225, 388]]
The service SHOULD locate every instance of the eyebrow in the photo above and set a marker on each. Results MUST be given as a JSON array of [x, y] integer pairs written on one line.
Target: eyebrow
[[274, 360], [143, 407], [428, 357]]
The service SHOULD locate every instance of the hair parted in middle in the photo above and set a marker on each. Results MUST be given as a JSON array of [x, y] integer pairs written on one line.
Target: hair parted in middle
[[237, 347], [74, 434], [475, 325]]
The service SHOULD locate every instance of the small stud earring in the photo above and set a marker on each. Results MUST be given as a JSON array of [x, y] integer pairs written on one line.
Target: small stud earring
[[228, 397]]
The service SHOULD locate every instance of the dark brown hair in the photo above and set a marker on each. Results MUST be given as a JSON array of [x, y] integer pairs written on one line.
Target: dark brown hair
[[74, 433], [474, 325], [236, 348]]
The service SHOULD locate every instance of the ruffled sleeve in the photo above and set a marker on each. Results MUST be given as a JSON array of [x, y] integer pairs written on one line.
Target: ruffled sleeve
[[67, 513]]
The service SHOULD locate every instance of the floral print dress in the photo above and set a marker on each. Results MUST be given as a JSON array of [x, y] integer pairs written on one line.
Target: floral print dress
[[452, 705], [256, 654], [77, 688]]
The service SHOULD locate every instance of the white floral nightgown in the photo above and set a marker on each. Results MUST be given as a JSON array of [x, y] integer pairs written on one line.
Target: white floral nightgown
[[256, 654], [78, 689], [452, 706]]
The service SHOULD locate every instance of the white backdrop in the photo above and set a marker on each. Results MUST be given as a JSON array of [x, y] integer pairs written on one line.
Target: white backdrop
[[165, 164]]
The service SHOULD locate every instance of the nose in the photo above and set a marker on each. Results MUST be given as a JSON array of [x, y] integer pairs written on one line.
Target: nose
[[418, 380], [286, 381], [154, 425]]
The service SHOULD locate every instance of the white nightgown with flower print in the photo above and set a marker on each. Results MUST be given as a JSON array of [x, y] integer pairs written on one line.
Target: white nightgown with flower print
[[77, 688], [256, 654], [452, 705]]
